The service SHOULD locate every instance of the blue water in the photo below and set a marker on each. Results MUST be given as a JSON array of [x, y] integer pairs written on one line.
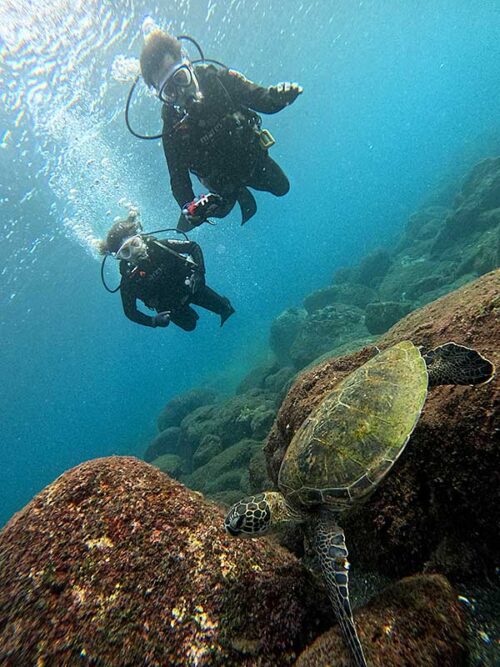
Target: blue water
[[398, 97]]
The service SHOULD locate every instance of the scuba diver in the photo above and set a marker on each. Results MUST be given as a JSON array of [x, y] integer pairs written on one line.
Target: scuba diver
[[211, 129], [167, 276]]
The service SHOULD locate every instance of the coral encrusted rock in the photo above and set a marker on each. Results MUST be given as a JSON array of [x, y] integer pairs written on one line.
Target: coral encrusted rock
[[445, 487], [116, 564], [417, 622]]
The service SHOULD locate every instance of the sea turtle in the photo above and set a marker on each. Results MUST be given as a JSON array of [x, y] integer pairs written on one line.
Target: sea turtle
[[344, 448]]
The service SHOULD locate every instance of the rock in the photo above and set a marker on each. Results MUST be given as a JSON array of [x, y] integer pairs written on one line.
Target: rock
[[324, 330], [206, 478], [418, 621], [116, 564], [180, 406], [171, 464], [284, 329], [261, 423], [480, 193], [210, 445], [247, 415], [373, 267], [424, 224], [277, 382], [382, 315], [258, 479], [345, 274], [424, 285], [255, 379], [442, 485], [165, 442], [349, 294]]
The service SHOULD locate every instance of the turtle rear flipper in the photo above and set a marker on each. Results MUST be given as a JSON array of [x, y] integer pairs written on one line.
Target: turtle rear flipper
[[456, 364], [328, 542]]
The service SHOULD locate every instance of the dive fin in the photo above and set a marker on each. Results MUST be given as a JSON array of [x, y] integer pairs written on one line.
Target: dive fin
[[455, 364], [329, 545], [247, 203]]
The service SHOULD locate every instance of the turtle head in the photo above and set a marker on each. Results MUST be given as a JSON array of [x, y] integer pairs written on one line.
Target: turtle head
[[257, 515]]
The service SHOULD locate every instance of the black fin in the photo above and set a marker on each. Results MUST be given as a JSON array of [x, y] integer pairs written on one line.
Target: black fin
[[455, 364], [329, 545], [247, 203]]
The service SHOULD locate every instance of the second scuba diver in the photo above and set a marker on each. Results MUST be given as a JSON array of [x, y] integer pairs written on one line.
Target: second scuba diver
[[166, 275], [211, 129]]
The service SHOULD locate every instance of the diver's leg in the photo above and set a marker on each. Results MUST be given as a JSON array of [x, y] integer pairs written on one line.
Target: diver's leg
[[270, 177], [207, 298], [185, 318]]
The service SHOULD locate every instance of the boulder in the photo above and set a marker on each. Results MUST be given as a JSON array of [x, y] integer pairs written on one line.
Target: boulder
[[248, 415], [116, 564], [442, 486], [349, 294], [210, 445], [255, 379], [480, 193], [170, 464], [373, 267], [209, 478], [166, 442], [418, 621], [180, 406], [324, 330], [284, 329], [380, 316], [277, 382]]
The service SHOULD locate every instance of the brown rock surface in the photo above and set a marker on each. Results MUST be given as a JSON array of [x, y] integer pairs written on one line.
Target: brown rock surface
[[116, 564], [445, 488], [417, 622]]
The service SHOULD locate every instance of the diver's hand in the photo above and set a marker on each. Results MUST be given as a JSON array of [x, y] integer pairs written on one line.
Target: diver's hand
[[288, 92], [198, 210], [162, 319]]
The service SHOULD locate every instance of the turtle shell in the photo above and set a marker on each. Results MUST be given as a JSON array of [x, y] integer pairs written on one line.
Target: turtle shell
[[353, 437]]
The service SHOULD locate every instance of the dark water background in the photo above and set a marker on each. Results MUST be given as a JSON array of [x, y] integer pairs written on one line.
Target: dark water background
[[399, 99]]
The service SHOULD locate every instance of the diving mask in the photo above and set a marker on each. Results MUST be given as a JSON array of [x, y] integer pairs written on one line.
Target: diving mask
[[132, 249], [178, 77]]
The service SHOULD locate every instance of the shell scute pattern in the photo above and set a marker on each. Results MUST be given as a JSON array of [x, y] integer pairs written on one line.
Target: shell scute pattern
[[351, 440]]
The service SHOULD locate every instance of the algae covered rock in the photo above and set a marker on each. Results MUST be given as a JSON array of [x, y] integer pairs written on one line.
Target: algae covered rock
[[352, 295], [284, 330], [212, 476], [418, 621], [443, 485], [325, 329], [180, 406], [170, 464], [116, 564], [380, 316], [166, 442], [210, 445]]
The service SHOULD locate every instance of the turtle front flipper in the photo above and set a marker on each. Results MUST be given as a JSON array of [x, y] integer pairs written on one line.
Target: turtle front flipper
[[455, 364], [328, 542]]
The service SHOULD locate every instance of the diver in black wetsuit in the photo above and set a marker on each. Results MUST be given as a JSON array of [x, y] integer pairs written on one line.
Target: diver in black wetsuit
[[211, 129], [167, 276]]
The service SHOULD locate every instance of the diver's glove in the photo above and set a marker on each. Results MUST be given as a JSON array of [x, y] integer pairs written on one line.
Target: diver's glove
[[162, 319], [287, 92], [198, 210]]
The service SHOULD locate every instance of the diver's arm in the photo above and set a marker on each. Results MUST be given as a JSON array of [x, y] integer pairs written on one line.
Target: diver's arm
[[180, 181], [129, 302], [187, 248], [266, 100]]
